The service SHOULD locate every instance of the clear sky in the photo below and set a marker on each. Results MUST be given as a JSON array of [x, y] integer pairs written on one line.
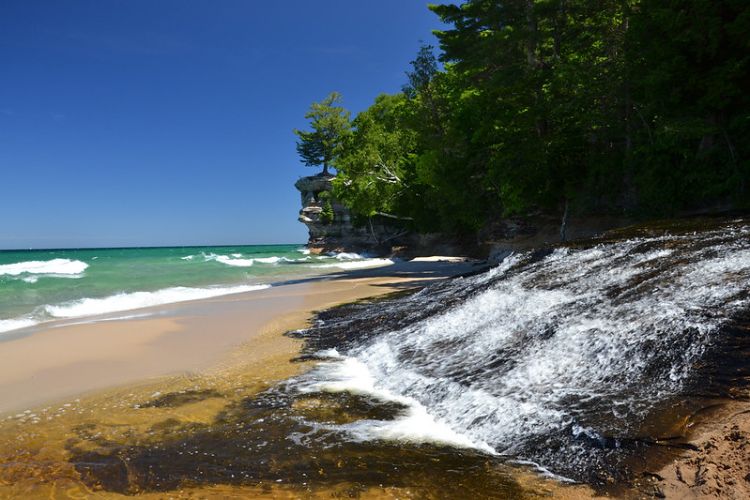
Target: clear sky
[[169, 122]]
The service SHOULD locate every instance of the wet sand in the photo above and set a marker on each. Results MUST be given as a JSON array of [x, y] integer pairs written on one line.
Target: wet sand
[[65, 359]]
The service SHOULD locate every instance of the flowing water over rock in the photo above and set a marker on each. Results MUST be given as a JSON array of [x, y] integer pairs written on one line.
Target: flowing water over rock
[[565, 357]]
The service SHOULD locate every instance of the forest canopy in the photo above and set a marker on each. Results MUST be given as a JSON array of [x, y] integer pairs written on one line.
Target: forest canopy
[[635, 107]]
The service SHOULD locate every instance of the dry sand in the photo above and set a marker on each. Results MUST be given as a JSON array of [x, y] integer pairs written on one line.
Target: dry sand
[[719, 467]]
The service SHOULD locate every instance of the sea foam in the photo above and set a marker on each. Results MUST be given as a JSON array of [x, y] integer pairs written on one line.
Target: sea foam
[[416, 425], [236, 260], [358, 264], [7, 325], [138, 300], [53, 267]]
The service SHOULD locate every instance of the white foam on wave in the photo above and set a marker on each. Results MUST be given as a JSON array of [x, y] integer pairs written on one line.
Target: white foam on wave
[[138, 300], [7, 325], [50, 267], [416, 425], [304, 251], [270, 260], [228, 260], [347, 256], [235, 260], [187, 257], [358, 264]]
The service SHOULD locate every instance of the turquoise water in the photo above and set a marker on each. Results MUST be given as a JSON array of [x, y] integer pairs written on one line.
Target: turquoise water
[[44, 285]]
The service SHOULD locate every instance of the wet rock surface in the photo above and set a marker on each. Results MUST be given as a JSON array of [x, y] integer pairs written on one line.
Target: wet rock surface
[[592, 359]]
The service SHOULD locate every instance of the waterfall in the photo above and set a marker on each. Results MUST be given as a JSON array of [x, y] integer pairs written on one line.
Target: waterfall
[[557, 357]]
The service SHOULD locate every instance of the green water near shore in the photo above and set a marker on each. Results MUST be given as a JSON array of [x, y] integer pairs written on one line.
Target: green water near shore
[[43, 285]]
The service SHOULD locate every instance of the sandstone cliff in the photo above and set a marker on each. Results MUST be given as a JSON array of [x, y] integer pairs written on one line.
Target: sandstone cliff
[[331, 229], [330, 223]]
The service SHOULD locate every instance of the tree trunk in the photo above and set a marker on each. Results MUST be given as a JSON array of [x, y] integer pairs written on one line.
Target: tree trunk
[[564, 224], [372, 231]]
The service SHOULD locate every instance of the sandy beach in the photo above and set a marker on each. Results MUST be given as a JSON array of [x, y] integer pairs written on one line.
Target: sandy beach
[[67, 359]]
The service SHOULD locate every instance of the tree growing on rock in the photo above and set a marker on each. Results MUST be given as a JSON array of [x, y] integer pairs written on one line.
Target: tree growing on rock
[[330, 124]]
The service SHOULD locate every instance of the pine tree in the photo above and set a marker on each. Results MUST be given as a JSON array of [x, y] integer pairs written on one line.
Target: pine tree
[[330, 125]]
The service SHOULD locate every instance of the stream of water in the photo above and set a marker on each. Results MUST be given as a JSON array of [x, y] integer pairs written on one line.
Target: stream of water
[[560, 357]]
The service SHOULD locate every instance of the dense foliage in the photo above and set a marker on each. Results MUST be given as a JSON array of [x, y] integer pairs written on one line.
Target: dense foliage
[[619, 106]]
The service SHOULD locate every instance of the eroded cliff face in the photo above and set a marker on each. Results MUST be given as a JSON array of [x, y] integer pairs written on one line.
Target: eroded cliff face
[[330, 223], [331, 229]]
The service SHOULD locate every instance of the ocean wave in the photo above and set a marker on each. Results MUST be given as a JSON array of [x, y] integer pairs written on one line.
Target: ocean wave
[[138, 300], [50, 267], [360, 264], [7, 325], [271, 260], [235, 260], [304, 251], [347, 256], [228, 260]]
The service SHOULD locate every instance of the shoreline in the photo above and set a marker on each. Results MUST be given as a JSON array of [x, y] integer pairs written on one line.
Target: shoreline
[[79, 356]]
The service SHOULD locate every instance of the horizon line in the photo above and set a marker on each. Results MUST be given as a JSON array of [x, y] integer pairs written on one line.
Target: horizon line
[[146, 247]]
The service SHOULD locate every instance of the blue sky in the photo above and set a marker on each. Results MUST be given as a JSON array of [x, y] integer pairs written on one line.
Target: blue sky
[[169, 122]]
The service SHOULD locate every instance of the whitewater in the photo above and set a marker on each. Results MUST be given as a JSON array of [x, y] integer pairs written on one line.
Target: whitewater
[[560, 357]]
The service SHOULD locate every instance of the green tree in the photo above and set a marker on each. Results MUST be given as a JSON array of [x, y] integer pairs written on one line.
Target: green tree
[[375, 169], [424, 69], [691, 72], [560, 106], [330, 126]]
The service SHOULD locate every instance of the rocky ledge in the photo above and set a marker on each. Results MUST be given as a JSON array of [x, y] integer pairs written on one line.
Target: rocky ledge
[[330, 223]]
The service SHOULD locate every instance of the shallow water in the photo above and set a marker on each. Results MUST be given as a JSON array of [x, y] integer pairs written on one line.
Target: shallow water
[[220, 438]]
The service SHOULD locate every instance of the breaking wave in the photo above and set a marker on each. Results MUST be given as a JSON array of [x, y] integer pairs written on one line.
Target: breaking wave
[[138, 300], [358, 264], [60, 267], [7, 325]]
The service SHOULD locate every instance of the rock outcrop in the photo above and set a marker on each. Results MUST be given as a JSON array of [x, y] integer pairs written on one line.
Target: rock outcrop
[[330, 223], [332, 229]]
